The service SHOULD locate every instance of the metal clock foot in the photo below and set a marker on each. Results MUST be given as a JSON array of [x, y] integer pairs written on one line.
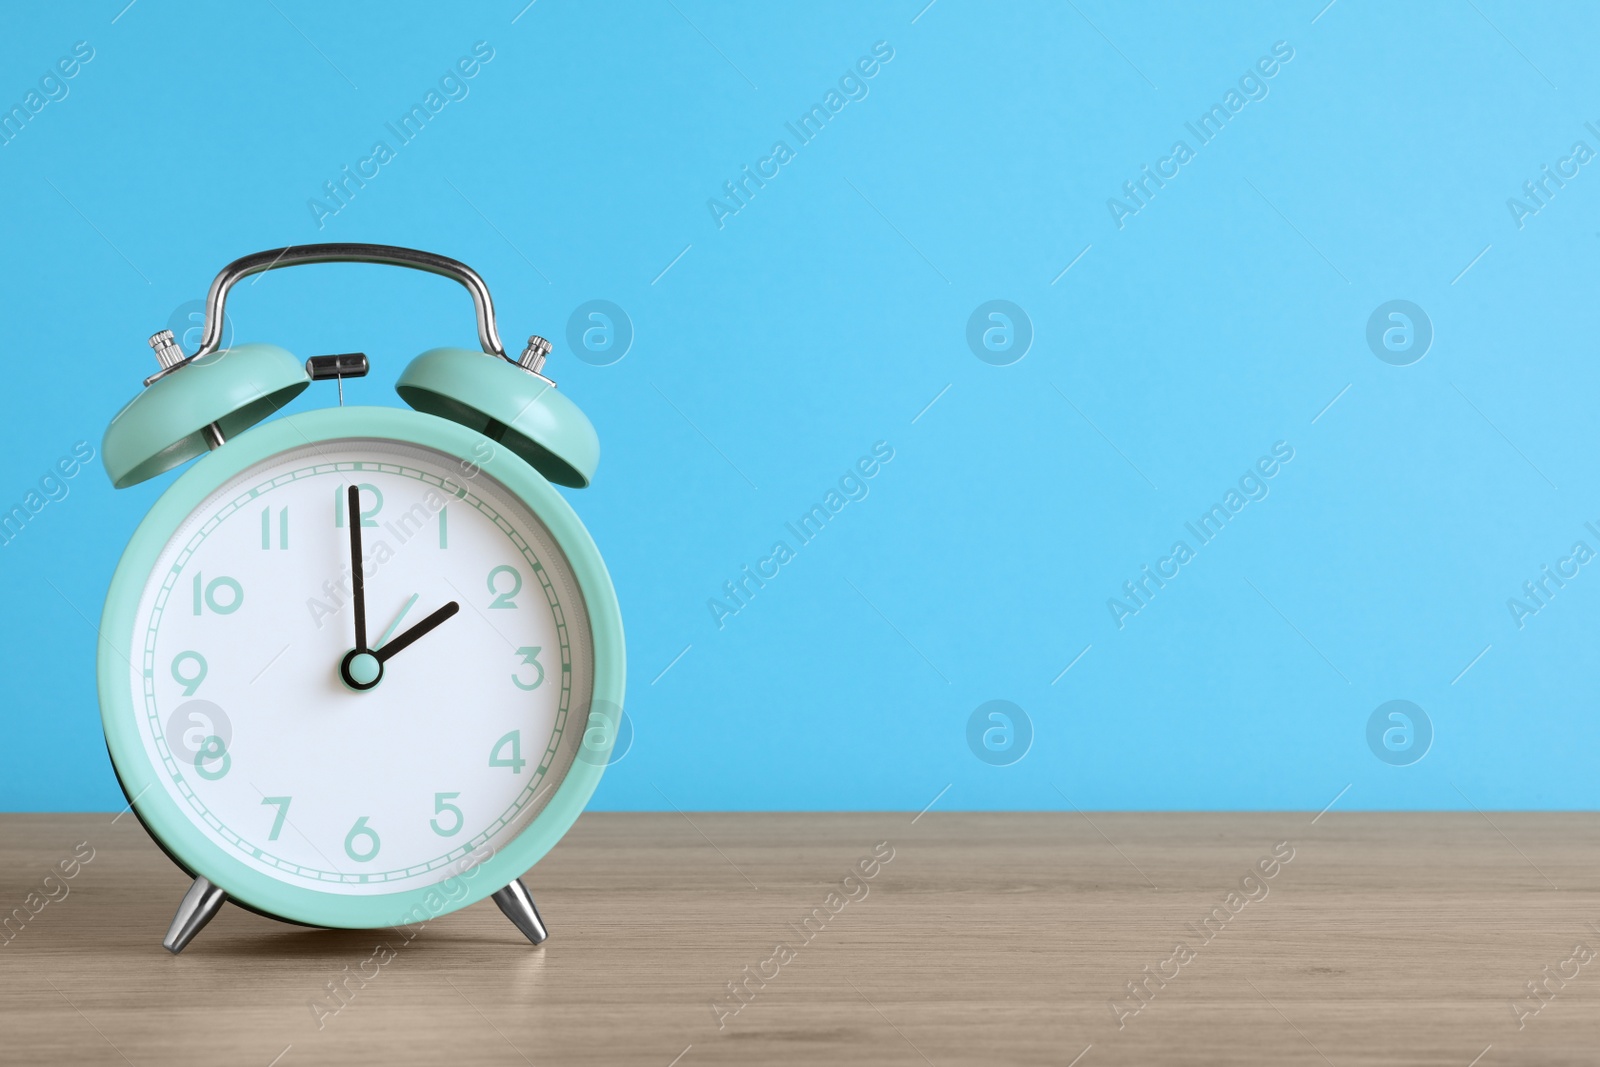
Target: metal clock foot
[[199, 905], [517, 903]]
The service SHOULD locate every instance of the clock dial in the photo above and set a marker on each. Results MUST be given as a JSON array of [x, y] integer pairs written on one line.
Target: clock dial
[[351, 769]]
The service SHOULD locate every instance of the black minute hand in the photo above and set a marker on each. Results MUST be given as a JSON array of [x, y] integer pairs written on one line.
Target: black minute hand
[[419, 630], [358, 590]]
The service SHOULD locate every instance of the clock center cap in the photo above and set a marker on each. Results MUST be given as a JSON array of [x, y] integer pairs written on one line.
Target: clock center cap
[[360, 670]]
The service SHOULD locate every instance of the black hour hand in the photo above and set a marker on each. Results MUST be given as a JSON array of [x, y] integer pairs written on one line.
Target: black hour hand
[[405, 639]]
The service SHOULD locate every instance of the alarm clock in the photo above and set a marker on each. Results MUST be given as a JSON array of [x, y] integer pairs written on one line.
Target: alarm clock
[[359, 666]]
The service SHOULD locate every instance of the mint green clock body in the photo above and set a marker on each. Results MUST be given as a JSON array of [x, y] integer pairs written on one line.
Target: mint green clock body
[[358, 666]]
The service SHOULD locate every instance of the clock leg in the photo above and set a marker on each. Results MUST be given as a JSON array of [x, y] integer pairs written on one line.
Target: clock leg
[[517, 903], [199, 905]]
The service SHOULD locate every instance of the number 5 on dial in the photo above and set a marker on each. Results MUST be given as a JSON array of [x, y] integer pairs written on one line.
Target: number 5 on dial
[[441, 805]]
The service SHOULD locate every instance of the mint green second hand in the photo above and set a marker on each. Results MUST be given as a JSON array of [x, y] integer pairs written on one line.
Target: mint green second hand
[[396, 622]]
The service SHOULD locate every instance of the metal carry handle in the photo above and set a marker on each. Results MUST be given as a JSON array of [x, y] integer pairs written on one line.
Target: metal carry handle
[[389, 255]]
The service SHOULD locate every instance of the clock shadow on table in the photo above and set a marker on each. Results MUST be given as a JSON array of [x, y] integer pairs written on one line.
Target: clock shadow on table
[[257, 937]]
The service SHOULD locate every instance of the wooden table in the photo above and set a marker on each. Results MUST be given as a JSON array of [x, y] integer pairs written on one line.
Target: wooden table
[[986, 939]]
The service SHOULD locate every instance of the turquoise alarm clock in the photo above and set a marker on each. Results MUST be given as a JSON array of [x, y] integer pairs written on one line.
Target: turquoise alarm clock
[[359, 666]]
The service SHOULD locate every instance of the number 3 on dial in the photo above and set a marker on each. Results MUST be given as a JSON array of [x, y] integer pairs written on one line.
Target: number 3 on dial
[[530, 658]]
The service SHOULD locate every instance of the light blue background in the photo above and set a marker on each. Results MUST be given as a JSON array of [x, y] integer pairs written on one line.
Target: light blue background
[[828, 313]]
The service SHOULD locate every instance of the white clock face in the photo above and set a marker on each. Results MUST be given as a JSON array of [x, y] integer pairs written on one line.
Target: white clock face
[[267, 747]]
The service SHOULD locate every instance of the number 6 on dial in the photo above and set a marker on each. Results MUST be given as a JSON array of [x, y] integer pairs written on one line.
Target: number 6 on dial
[[361, 829]]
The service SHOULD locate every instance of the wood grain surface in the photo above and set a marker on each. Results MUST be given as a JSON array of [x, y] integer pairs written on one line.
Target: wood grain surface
[[986, 939]]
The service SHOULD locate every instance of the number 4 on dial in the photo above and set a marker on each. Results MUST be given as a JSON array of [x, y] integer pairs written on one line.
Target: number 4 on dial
[[513, 740]]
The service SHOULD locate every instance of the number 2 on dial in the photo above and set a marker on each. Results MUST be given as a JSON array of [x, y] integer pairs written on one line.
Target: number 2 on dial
[[503, 600]]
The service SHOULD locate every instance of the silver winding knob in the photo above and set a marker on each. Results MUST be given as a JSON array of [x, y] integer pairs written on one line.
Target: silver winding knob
[[168, 354], [533, 356]]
